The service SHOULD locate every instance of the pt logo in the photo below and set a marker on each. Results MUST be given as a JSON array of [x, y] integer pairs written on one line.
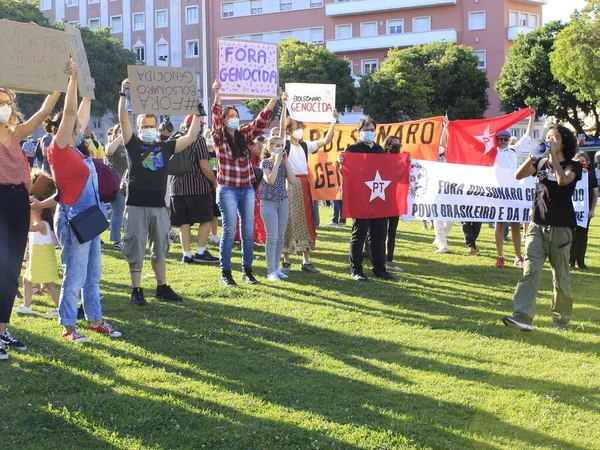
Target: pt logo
[[488, 139], [377, 187]]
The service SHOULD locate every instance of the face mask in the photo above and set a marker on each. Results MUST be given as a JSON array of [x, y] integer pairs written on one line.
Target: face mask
[[298, 134], [5, 113], [233, 124], [79, 139], [163, 138], [367, 136], [210, 142], [148, 135]]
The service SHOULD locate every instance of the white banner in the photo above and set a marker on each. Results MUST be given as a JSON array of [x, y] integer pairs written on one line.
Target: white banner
[[462, 193], [309, 102]]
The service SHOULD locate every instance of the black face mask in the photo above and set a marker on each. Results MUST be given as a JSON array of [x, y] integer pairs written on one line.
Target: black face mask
[[395, 148], [163, 138]]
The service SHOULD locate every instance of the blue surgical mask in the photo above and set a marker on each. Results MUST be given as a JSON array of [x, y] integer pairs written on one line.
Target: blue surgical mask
[[233, 124], [367, 136], [79, 139], [148, 135]]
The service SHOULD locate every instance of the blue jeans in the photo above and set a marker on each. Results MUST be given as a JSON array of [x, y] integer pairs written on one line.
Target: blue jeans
[[337, 212], [116, 220], [231, 201], [275, 217]]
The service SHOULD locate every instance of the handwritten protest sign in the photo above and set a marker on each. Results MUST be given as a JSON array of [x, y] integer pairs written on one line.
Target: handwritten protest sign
[[310, 102], [163, 90], [248, 69], [33, 58], [85, 82]]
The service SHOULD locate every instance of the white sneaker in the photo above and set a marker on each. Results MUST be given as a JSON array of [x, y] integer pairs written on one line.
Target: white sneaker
[[215, 239], [23, 309], [442, 250], [332, 224], [393, 268], [52, 312], [273, 277], [280, 274]]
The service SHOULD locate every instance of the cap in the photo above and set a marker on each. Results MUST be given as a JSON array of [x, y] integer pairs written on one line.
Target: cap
[[260, 139], [188, 119], [503, 133]]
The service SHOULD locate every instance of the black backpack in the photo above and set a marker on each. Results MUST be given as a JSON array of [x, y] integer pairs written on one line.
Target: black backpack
[[302, 144], [180, 163]]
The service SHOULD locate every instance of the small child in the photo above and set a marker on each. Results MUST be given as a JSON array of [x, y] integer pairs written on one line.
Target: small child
[[41, 264]]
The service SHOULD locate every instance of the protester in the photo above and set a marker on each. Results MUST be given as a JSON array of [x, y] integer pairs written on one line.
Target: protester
[[337, 219], [274, 207], [210, 145], [377, 227], [44, 143], [235, 193], [550, 232], [580, 234], [146, 216], [95, 148], [392, 145], [192, 201], [166, 129], [442, 228], [117, 159], [29, 150], [301, 234], [471, 232]]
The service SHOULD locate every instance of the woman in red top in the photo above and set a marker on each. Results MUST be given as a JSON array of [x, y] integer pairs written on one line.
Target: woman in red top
[[14, 207]]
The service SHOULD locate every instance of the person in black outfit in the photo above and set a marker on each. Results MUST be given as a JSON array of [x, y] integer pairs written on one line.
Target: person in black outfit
[[471, 232], [580, 235], [377, 227]]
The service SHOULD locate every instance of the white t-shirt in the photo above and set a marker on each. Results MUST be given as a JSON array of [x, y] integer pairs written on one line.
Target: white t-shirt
[[506, 158], [297, 158]]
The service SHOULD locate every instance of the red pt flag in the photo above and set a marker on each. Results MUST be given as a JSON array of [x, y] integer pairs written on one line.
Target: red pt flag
[[473, 142], [375, 185]]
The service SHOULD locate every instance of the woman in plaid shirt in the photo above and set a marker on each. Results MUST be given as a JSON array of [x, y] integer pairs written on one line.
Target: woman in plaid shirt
[[235, 176]]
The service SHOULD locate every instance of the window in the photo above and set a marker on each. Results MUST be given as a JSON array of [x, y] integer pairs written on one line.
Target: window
[[72, 2], [140, 53], [285, 5], [343, 31], [255, 6], [477, 20], [138, 21], [93, 1], [191, 14], [395, 26], [316, 35], [482, 58], [513, 18], [368, 29], [256, 37], [316, 4], [192, 49], [162, 18], [351, 65], [162, 54], [534, 20], [421, 24], [285, 35], [226, 10], [93, 23], [524, 19], [46, 4], [116, 24], [369, 66]]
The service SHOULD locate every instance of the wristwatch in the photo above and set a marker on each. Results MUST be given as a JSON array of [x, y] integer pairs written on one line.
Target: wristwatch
[[122, 94]]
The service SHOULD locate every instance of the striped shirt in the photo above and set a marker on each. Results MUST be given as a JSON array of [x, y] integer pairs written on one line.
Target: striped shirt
[[236, 172], [194, 182]]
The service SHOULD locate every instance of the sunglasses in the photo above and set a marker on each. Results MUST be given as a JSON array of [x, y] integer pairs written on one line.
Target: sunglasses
[[502, 139]]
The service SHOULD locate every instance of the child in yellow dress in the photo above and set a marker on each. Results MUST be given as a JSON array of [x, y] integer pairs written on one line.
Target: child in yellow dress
[[41, 265]]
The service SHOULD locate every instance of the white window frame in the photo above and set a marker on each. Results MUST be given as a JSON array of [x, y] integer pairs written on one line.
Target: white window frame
[[285, 5], [343, 25], [537, 20], [373, 22], [387, 26], [158, 61], [97, 19], [140, 47], [320, 41], [417, 18], [72, 3], [187, 9], [156, 25], [225, 15], [112, 30], [93, 1], [290, 34], [256, 7], [316, 3], [523, 15], [351, 64], [510, 13], [368, 61], [46, 5], [133, 27], [187, 48], [484, 53], [473, 13]]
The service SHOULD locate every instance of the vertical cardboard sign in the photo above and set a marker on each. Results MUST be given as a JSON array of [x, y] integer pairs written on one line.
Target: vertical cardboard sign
[[309, 102], [163, 90], [248, 69], [33, 58], [85, 82]]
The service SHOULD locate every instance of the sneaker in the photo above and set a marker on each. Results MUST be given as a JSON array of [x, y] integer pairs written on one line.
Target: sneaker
[[166, 294], [471, 251], [74, 336], [442, 250], [227, 279], [106, 328], [173, 236], [518, 262], [310, 268], [52, 312], [3, 354], [205, 257], [359, 276], [332, 224], [248, 277], [515, 322], [560, 326], [215, 239], [393, 268], [188, 260], [500, 262], [285, 267], [118, 245], [383, 275], [7, 339], [137, 297], [23, 309], [273, 277], [281, 275]]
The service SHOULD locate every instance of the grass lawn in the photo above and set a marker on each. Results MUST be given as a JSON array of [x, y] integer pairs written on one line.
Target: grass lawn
[[316, 362]]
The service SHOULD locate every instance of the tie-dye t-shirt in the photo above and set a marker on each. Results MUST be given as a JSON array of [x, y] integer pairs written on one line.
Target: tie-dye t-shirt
[[148, 172]]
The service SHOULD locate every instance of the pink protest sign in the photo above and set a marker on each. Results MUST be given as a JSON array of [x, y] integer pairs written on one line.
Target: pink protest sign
[[248, 69]]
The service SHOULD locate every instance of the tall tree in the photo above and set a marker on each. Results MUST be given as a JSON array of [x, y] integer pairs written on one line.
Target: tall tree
[[426, 80], [304, 62], [527, 79]]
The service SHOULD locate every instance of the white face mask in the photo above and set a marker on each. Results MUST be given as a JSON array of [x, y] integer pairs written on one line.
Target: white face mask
[[210, 142], [148, 135], [298, 134], [5, 113]]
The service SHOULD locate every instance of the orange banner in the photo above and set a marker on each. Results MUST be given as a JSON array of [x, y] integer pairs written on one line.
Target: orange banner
[[420, 138]]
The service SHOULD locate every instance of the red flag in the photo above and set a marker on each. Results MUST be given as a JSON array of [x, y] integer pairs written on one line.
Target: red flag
[[375, 185], [473, 142]]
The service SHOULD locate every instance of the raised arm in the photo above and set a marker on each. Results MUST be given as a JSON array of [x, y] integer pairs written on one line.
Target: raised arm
[[65, 130], [216, 129], [113, 146], [185, 141], [259, 125], [29, 127], [329, 136], [84, 112], [126, 130], [529, 131], [283, 116]]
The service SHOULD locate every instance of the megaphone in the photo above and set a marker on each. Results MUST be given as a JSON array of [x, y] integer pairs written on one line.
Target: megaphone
[[538, 148]]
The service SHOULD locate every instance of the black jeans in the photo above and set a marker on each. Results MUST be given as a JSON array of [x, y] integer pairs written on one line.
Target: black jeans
[[579, 246], [378, 232], [14, 226], [471, 231], [391, 237]]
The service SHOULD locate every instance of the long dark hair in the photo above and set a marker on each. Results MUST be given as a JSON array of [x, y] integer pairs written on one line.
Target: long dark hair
[[237, 144], [54, 124], [569, 141]]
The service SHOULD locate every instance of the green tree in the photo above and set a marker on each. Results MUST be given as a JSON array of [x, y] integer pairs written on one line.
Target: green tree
[[526, 79], [425, 80], [304, 62]]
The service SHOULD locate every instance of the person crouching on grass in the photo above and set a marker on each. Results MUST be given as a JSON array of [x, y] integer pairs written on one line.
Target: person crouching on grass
[[551, 230], [146, 216]]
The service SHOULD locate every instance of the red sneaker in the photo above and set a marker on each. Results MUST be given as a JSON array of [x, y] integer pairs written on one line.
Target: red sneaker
[[500, 262], [518, 261], [106, 328], [74, 336]]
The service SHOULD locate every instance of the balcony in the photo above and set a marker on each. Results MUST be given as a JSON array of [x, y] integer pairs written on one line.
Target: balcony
[[351, 7], [386, 41], [518, 29]]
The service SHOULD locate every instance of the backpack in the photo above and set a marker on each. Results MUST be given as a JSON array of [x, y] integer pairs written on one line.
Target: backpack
[[109, 183], [302, 144], [180, 163], [38, 150]]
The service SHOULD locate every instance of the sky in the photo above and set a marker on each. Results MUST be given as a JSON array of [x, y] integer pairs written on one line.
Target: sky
[[560, 9]]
